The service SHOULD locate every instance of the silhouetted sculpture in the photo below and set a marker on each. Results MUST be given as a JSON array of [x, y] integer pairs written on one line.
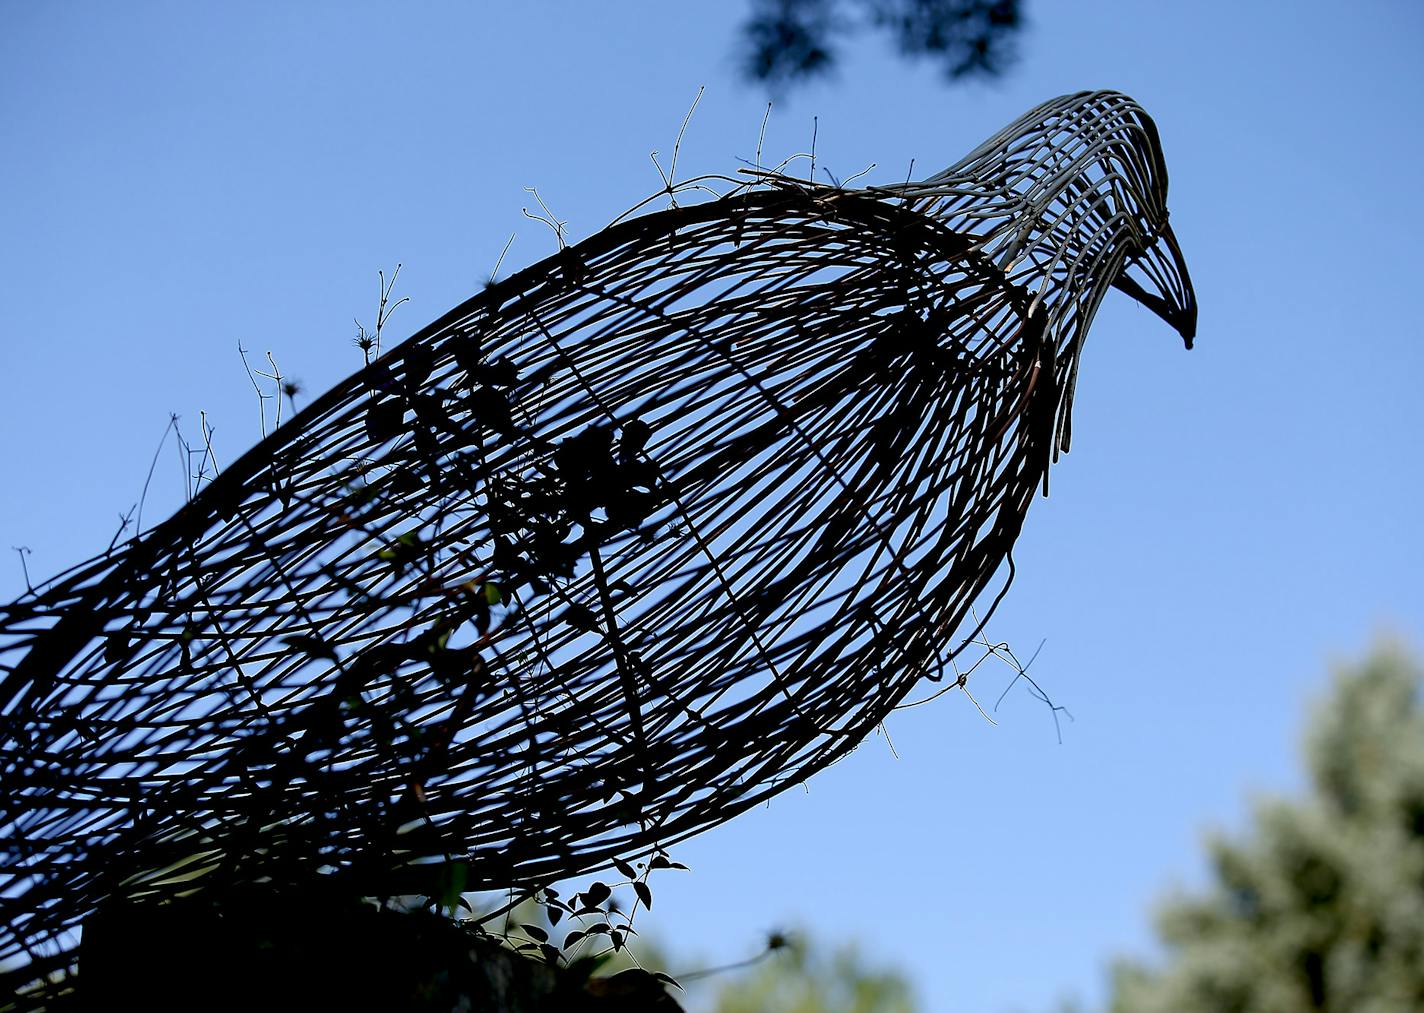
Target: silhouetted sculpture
[[621, 546]]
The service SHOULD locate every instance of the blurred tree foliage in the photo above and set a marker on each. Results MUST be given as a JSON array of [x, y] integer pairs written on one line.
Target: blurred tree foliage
[[799, 977], [788, 41], [1320, 906]]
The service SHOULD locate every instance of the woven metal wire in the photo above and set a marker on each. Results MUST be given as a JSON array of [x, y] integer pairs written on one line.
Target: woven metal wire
[[619, 547]]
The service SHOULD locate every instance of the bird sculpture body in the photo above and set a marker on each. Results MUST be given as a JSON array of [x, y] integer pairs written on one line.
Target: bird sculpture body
[[621, 546]]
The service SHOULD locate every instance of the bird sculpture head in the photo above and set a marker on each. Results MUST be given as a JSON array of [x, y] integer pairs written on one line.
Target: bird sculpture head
[[1099, 216], [1070, 201], [622, 545]]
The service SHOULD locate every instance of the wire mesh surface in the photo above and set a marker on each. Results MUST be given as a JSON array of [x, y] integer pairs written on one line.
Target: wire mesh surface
[[621, 546]]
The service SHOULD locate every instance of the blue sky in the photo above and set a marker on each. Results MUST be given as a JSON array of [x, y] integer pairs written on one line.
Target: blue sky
[[180, 178]]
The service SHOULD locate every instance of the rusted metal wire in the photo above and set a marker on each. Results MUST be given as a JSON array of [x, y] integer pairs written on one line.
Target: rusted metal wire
[[619, 547]]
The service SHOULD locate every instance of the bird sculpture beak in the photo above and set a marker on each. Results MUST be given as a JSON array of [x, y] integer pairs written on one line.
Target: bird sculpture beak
[[1158, 279]]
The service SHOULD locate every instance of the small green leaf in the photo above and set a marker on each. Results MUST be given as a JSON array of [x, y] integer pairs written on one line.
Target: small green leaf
[[116, 648], [311, 645], [383, 421], [500, 372], [581, 618], [419, 361], [597, 893], [635, 437], [453, 879]]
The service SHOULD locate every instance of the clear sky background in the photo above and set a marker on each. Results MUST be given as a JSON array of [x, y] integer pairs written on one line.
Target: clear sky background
[[178, 178]]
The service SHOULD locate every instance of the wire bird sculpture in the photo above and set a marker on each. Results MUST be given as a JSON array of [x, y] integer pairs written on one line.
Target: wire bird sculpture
[[623, 545]]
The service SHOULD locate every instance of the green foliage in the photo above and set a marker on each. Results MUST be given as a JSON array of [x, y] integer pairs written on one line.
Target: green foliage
[[594, 923], [1321, 904], [799, 978]]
